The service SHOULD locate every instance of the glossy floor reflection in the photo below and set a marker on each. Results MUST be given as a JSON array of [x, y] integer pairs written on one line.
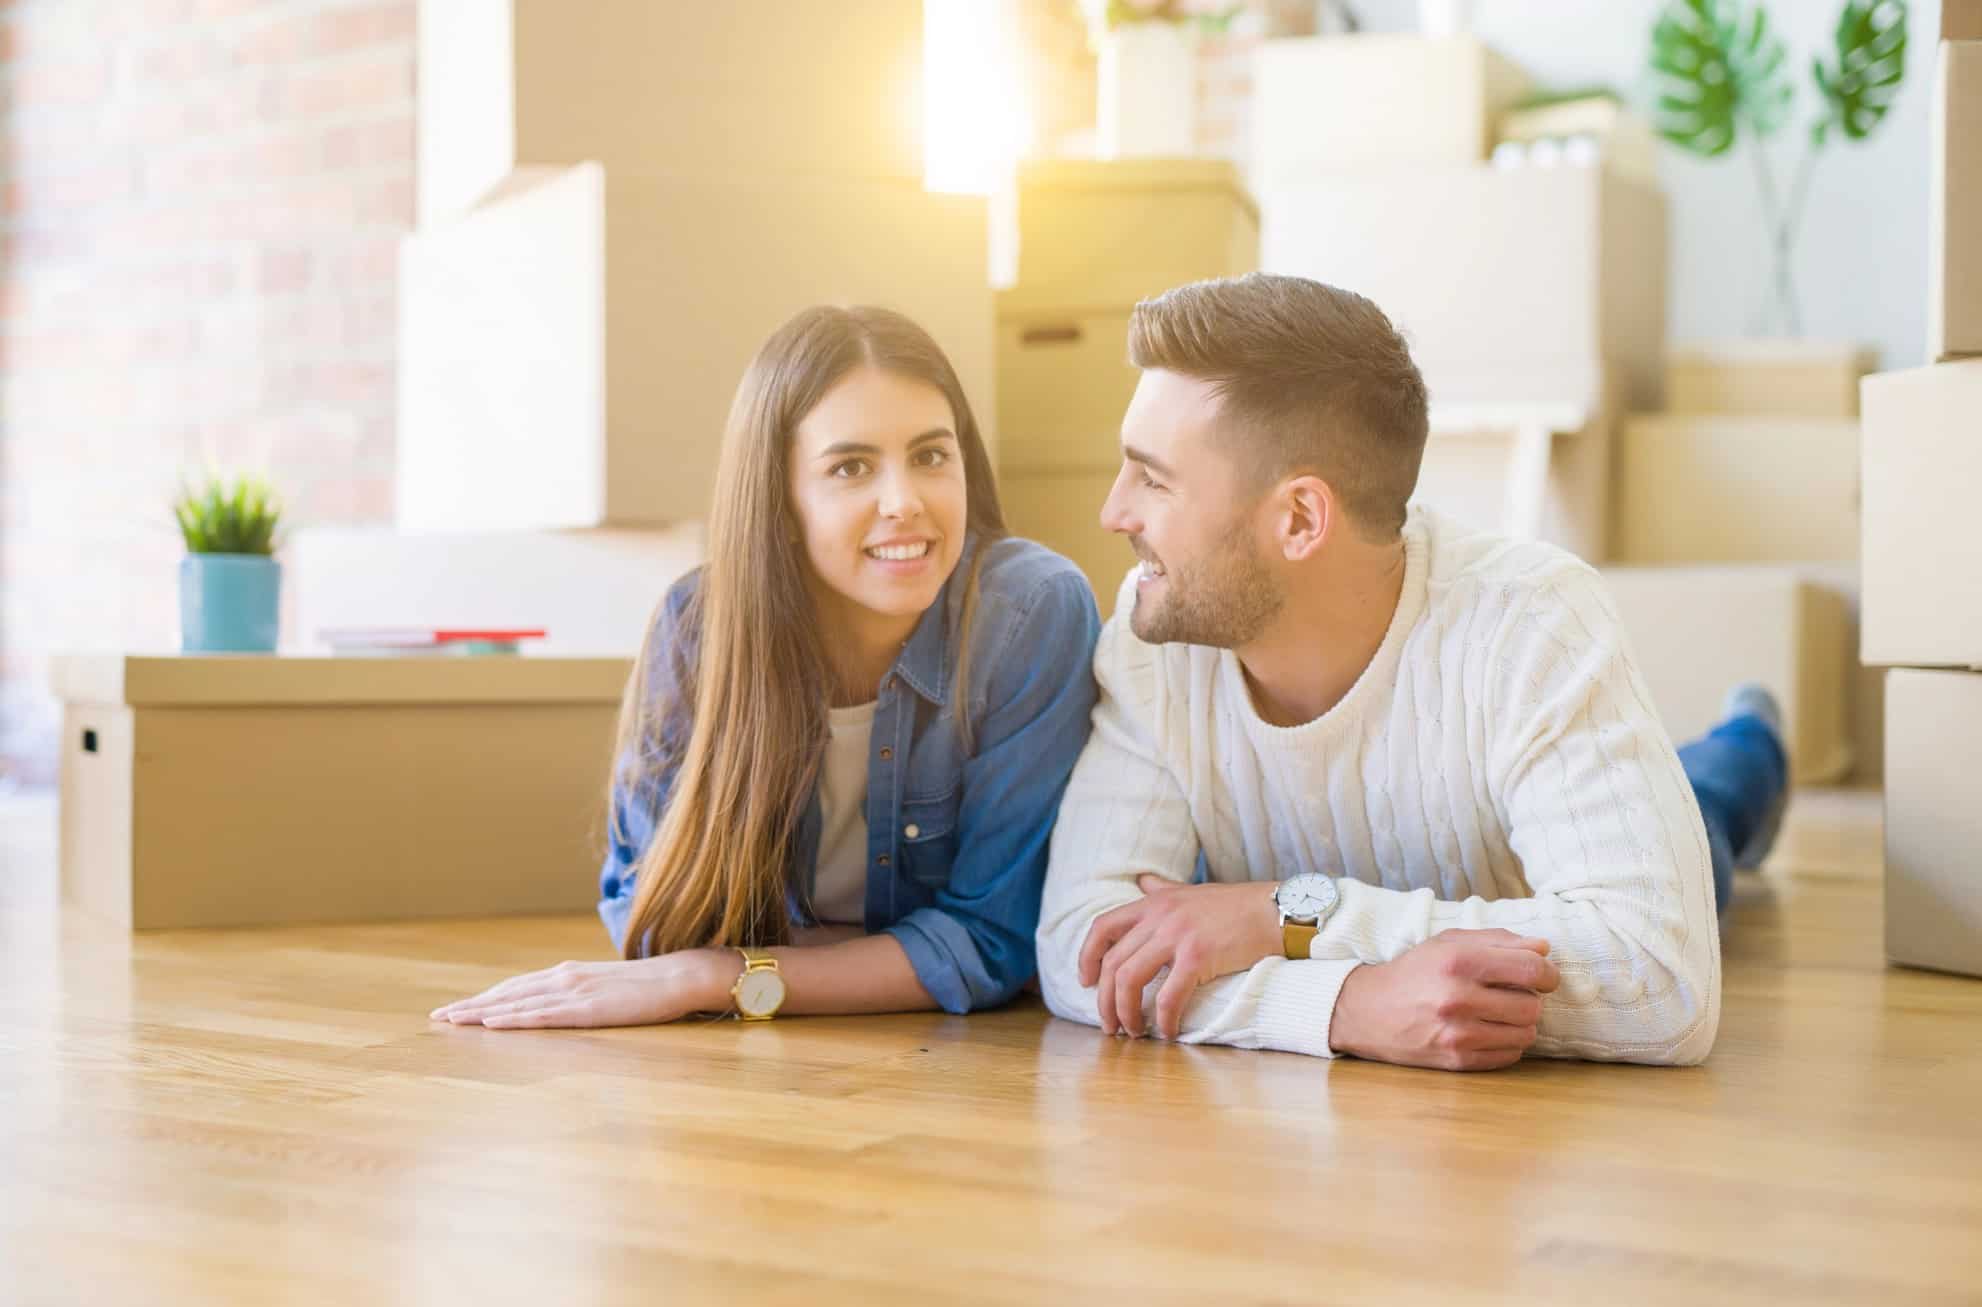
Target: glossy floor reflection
[[259, 1116]]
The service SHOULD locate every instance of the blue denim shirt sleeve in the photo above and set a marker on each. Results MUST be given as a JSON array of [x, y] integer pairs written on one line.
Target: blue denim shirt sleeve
[[974, 947], [636, 809]]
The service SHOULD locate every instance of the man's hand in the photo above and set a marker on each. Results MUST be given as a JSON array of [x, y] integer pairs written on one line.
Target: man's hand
[[1464, 1000], [1200, 932]]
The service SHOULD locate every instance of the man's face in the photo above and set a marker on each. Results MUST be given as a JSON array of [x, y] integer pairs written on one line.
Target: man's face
[[1194, 519]]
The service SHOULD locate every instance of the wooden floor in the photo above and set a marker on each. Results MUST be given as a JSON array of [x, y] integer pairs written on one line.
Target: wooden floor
[[268, 1116]]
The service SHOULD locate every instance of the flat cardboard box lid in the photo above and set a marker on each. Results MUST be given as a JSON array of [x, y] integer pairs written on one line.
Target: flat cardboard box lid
[[1138, 175], [242, 680]]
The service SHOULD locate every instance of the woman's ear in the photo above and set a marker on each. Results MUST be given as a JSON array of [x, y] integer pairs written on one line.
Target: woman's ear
[[1308, 515]]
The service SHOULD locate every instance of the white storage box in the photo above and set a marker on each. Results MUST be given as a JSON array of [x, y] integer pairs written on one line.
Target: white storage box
[[1516, 285]]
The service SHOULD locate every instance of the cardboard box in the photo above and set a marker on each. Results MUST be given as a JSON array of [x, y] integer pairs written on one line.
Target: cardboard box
[[1737, 490], [593, 592], [1696, 632], [1327, 103], [1095, 237], [1954, 203], [1933, 823], [1767, 378], [1064, 382], [746, 88], [1961, 20], [1922, 553], [569, 350], [1062, 510], [1523, 471], [1512, 285], [235, 791], [1626, 142]]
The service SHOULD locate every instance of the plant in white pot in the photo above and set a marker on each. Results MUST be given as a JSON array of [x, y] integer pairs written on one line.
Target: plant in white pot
[[229, 582], [1147, 75]]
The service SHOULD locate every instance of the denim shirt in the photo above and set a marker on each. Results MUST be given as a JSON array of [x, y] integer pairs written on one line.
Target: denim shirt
[[956, 843]]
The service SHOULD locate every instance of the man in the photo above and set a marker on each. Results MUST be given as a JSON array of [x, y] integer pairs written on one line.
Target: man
[[1441, 822]]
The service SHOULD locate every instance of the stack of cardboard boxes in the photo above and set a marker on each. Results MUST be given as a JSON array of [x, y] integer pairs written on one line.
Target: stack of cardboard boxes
[[1922, 556], [618, 202], [1093, 238], [1736, 545], [1533, 296]]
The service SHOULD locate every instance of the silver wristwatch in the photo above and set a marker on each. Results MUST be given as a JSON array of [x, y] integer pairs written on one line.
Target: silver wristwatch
[[1304, 902]]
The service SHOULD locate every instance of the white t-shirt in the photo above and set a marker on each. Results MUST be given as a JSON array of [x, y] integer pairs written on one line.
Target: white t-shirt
[[839, 887]]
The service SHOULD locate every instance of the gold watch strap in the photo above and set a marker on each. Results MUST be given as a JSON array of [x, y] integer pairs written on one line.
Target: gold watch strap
[[1296, 939]]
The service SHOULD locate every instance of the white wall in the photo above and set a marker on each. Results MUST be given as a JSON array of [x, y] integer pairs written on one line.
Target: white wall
[[1861, 256]]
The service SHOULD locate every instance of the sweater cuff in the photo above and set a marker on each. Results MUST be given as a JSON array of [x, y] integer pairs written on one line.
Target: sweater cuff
[[1297, 1005]]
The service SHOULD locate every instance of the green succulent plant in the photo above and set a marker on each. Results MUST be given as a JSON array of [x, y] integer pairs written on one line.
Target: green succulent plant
[[221, 518], [1721, 73]]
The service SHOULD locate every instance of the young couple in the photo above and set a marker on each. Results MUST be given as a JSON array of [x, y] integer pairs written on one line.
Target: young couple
[[877, 750]]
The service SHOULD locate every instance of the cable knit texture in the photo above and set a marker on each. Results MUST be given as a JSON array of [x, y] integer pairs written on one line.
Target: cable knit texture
[[1499, 763]]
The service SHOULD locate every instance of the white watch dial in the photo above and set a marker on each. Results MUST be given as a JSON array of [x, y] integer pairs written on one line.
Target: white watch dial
[[1306, 898], [760, 993]]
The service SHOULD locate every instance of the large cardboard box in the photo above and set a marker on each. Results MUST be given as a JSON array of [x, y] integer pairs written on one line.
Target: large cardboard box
[[235, 791], [570, 349], [1954, 203], [592, 592], [1095, 237], [1064, 382], [1533, 472], [1922, 550], [1696, 632], [1062, 510], [1512, 284], [745, 88], [1933, 823], [1767, 378], [1693, 489], [1392, 100]]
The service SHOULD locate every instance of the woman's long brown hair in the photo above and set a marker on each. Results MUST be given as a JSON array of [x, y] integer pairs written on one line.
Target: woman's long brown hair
[[715, 872]]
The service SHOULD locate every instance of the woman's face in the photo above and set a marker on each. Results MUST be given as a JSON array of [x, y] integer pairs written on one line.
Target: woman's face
[[877, 486]]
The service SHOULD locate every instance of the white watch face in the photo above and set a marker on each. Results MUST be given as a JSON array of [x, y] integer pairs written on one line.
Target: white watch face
[[1306, 898], [760, 993]]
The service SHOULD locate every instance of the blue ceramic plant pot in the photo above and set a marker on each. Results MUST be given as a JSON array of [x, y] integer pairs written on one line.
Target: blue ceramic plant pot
[[228, 603]]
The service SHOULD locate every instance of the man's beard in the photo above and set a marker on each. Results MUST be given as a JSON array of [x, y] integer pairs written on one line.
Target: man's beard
[[1224, 599]]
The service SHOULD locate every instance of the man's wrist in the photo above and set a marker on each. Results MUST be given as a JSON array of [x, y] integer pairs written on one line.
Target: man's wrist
[[1343, 1033]]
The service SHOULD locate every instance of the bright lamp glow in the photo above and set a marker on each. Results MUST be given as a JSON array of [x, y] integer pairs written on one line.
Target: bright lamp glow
[[976, 119]]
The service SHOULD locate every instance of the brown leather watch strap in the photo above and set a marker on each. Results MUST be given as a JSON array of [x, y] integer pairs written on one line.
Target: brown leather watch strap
[[1296, 939]]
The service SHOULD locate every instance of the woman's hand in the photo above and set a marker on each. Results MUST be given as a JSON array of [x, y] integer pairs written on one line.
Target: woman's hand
[[646, 991]]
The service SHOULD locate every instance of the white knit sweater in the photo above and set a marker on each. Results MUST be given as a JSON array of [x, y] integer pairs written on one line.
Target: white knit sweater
[[1499, 763]]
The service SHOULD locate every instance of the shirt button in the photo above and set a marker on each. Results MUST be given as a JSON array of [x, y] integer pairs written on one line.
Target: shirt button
[[912, 830], [883, 859], [886, 754]]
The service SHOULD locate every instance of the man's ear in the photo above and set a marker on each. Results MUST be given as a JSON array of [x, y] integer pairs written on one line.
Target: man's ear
[[1308, 514]]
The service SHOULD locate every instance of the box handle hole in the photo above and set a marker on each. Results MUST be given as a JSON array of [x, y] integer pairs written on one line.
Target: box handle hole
[[1057, 334]]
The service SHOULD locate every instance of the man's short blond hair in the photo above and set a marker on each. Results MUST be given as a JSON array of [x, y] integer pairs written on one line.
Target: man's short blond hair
[[1309, 378]]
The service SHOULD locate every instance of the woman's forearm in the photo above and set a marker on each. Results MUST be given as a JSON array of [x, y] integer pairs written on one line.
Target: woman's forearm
[[869, 973]]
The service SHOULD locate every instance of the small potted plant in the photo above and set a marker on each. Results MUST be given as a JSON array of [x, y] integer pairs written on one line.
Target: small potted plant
[[229, 581], [1147, 72]]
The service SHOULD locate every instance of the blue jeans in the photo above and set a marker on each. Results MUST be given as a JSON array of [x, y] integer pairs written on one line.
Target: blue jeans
[[1739, 773]]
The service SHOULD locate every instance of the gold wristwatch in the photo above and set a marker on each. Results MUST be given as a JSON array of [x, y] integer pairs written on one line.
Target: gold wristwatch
[[760, 991]]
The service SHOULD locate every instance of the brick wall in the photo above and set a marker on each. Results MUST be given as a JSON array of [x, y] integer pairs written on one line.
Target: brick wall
[[200, 202]]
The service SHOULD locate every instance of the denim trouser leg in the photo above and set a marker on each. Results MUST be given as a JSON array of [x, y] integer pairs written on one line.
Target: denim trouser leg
[[1738, 771]]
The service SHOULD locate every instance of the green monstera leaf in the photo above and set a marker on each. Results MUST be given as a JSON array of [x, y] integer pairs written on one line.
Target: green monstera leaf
[[1720, 72], [1871, 60]]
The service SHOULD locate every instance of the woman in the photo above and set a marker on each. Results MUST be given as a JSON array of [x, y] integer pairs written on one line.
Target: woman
[[843, 747]]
